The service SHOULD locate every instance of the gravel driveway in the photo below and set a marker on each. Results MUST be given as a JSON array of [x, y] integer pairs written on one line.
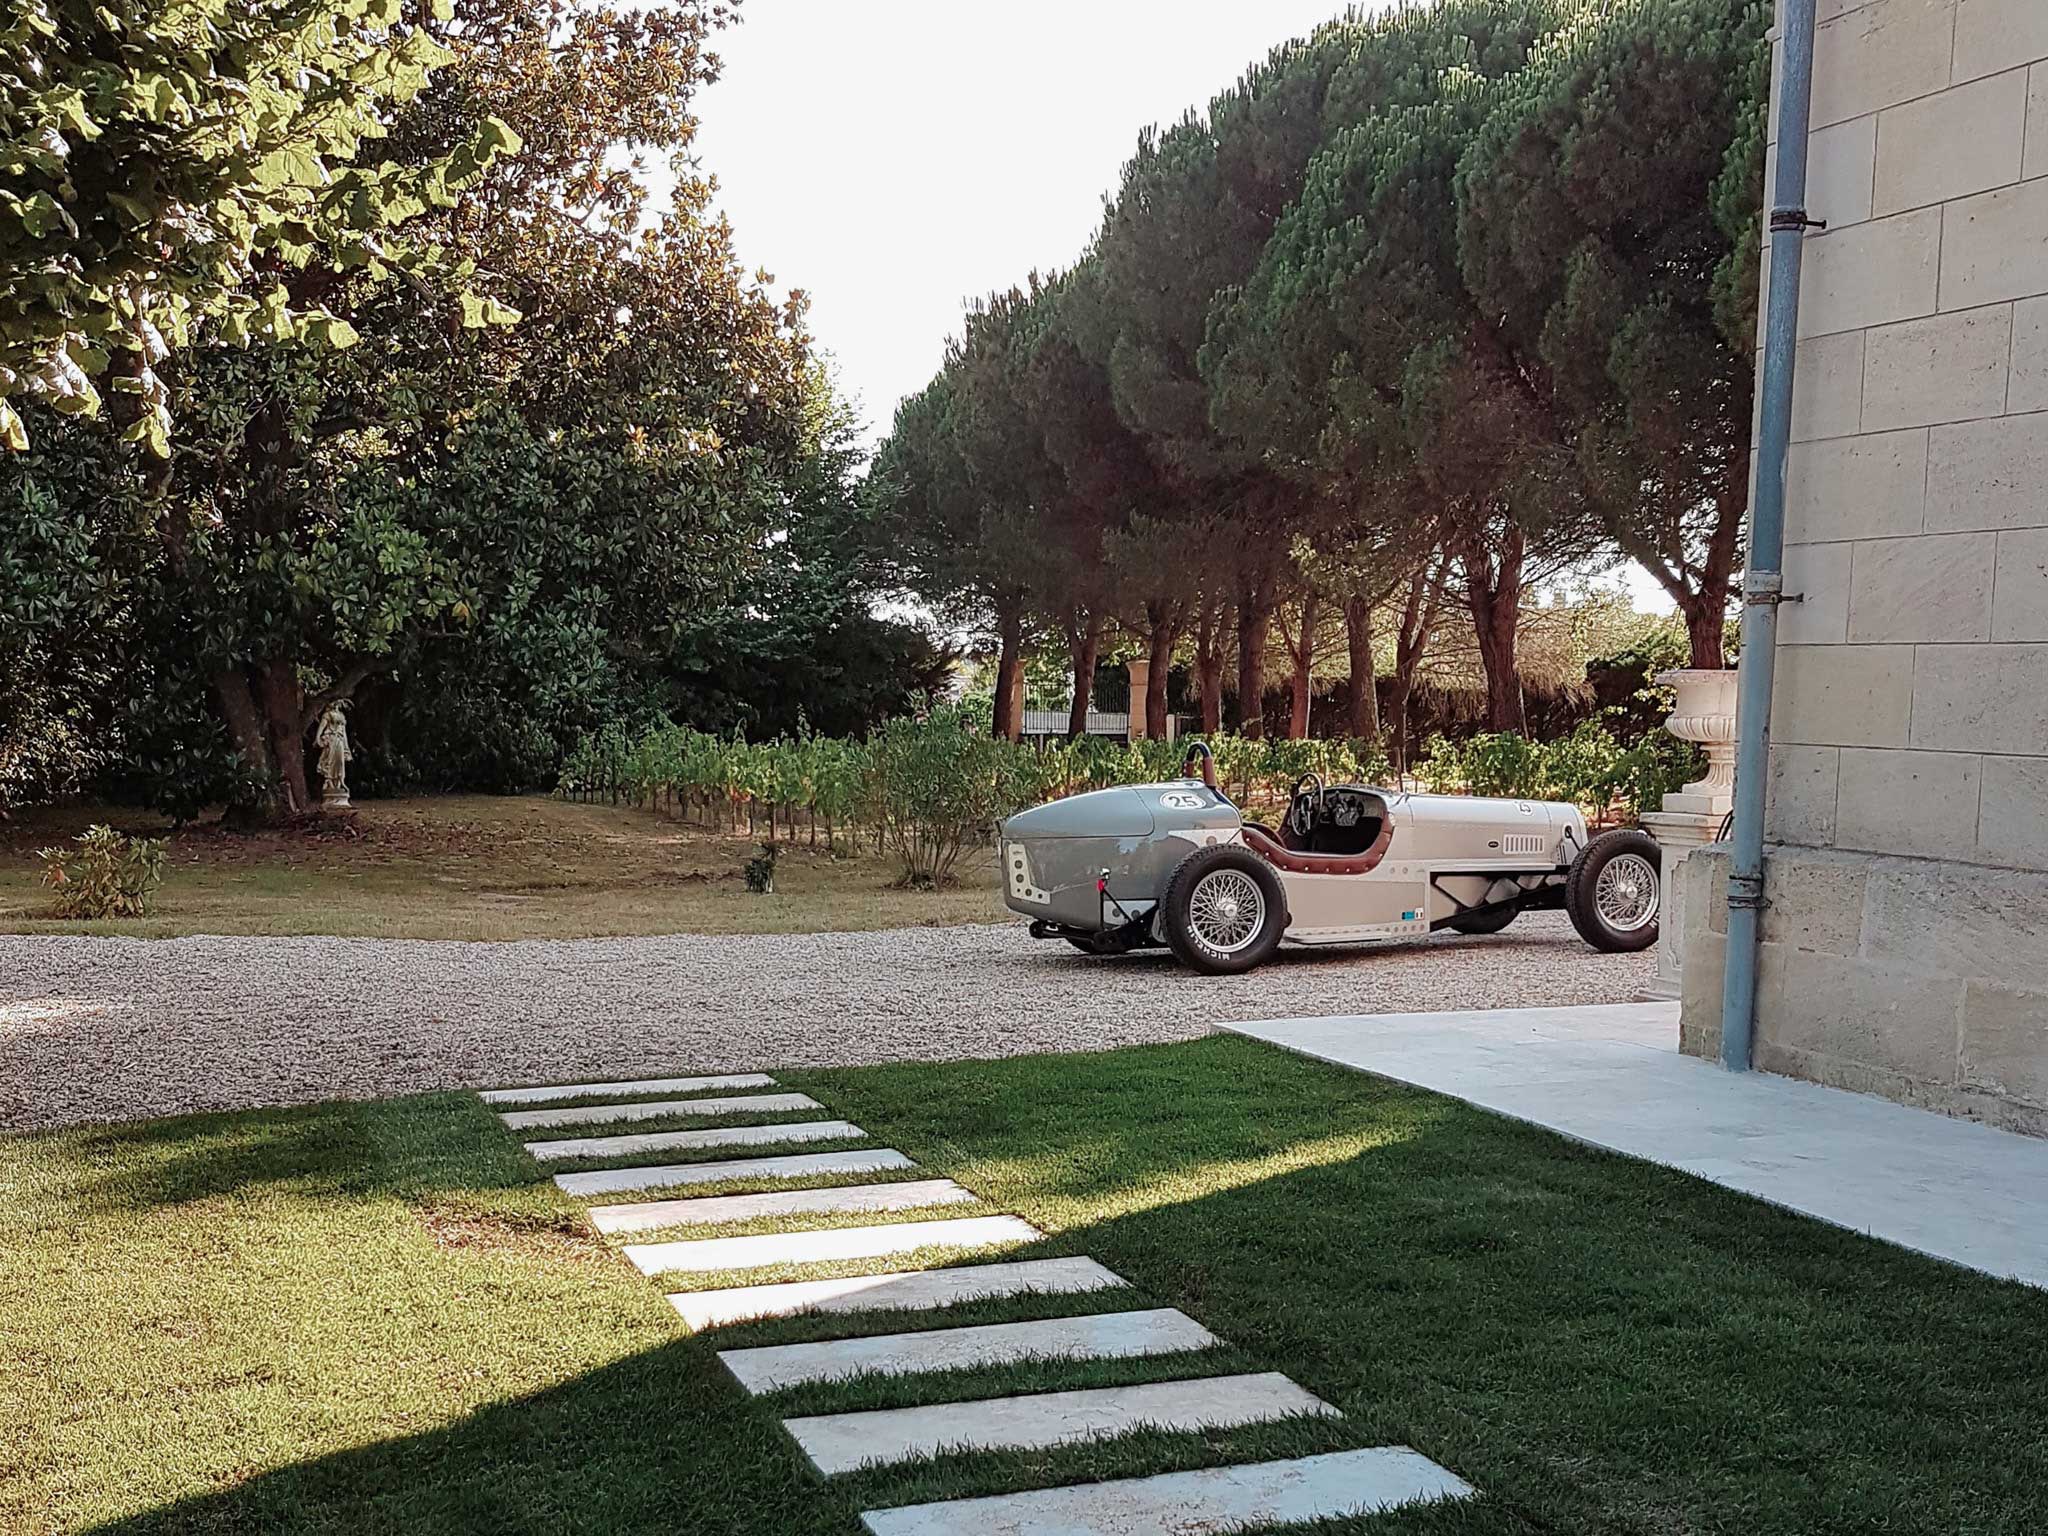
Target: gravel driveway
[[122, 1029]]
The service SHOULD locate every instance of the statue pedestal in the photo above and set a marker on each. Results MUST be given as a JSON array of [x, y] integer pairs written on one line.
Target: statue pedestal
[[1691, 818], [1677, 833], [335, 802]]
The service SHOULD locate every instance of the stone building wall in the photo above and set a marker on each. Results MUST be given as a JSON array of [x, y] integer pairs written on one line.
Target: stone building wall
[[1906, 948]]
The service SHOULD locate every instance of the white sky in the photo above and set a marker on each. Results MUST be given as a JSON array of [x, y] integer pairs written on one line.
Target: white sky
[[894, 158]]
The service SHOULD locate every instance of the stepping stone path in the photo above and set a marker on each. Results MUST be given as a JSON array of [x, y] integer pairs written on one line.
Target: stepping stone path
[[677, 1141], [702, 1255], [647, 1215], [906, 1290], [1111, 1336], [806, 1165], [656, 1109], [1339, 1485], [645, 1085], [842, 1442], [1332, 1487]]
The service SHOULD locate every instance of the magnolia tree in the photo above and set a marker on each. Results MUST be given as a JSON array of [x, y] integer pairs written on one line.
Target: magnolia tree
[[526, 527], [174, 167]]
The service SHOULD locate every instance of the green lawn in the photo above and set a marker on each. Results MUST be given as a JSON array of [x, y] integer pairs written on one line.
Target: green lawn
[[378, 1318]]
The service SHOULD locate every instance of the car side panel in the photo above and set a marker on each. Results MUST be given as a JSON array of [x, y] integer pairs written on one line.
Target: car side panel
[[1390, 902]]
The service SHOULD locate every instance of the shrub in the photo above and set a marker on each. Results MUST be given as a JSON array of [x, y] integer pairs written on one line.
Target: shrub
[[1588, 767], [106, 875], [938, 786], [760, 870]]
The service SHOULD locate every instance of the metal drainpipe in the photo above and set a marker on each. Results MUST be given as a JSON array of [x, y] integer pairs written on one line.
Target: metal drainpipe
[[1763, 584]]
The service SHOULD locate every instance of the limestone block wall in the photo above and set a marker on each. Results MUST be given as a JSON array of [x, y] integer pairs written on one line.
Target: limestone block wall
[[1910, 722]]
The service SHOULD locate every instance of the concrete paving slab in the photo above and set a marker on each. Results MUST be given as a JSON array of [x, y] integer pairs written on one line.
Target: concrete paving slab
[[709, 1253], [1613, 1077], [646, 1215], [1105, 1336], [841, 1442], [654, 1109], [1337, 1486], [711, 1136], [800, 1165], [881, 1293], [542, 1095]]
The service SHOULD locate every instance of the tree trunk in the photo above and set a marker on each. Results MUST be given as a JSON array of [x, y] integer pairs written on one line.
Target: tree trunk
[[1211, 633], [1164, 628], [265, 720], [1493, 592], [1706, 623], [1254, 626], [1009, 719], [1418, 625], [1364, 697], [284, 706], [1301, 653], [1084, 645], [1706, 633]]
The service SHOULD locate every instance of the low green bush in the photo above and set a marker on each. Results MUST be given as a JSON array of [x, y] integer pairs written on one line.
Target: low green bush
[[105, 875], [1588, 767]]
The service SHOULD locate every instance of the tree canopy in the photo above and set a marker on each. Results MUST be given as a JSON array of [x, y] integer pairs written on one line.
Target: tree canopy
[[460, 428], [1433, 305]]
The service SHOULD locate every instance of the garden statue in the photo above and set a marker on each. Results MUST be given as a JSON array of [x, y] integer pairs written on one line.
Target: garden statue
[[332, 740]]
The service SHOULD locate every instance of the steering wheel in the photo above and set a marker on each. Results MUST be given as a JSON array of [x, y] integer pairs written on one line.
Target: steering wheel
[[1200, 749], [1302, 809]]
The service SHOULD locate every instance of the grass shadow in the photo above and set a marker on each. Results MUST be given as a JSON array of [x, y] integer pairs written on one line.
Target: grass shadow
[[661, 1442], [1596, 1342]]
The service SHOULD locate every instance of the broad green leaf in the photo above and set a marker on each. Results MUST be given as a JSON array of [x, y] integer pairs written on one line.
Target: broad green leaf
[[330, 331]]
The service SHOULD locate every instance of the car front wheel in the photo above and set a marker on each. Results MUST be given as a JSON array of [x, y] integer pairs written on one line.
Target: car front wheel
[[1224, 910], [1614, 891]]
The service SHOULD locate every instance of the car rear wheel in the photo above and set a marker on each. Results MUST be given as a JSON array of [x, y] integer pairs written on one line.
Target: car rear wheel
[[1225, 910], [1614, 892]]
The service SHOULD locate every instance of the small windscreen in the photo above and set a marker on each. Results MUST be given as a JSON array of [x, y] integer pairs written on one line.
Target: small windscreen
[[1350, 822]]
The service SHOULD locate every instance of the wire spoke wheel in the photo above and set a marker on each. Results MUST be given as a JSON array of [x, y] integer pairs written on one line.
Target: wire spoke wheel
[[1626, 892], [1226, 910]]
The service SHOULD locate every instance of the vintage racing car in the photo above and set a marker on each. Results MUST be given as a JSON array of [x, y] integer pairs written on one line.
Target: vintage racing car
[[1177, 864]]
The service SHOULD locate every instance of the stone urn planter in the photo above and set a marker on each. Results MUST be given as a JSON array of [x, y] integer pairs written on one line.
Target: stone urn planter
[[1691, 818], [1704, 713]]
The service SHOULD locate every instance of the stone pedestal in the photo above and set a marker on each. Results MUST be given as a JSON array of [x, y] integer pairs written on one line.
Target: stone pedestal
[[1678, 833], [1692, 818]]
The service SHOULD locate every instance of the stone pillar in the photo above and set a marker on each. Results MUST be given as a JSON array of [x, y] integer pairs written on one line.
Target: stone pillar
[[1140, 669], [1704, 713]]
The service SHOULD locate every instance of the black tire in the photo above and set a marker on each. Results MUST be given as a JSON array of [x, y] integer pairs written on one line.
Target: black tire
[[1183, 933], [1485, 922], [1582, 892]]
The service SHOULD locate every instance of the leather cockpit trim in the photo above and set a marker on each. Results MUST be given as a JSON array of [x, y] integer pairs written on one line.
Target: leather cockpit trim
[[1275, 853]]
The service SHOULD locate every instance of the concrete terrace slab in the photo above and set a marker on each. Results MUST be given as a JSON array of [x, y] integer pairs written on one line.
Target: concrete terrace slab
[[644, 1085], [655, 1109], [801, 1165], [705, 1254], [1612, 1076], [841, 1442], [1105, 1336], [649, 1214], [1340, 1485], [879, 1293], [716, 1136]]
